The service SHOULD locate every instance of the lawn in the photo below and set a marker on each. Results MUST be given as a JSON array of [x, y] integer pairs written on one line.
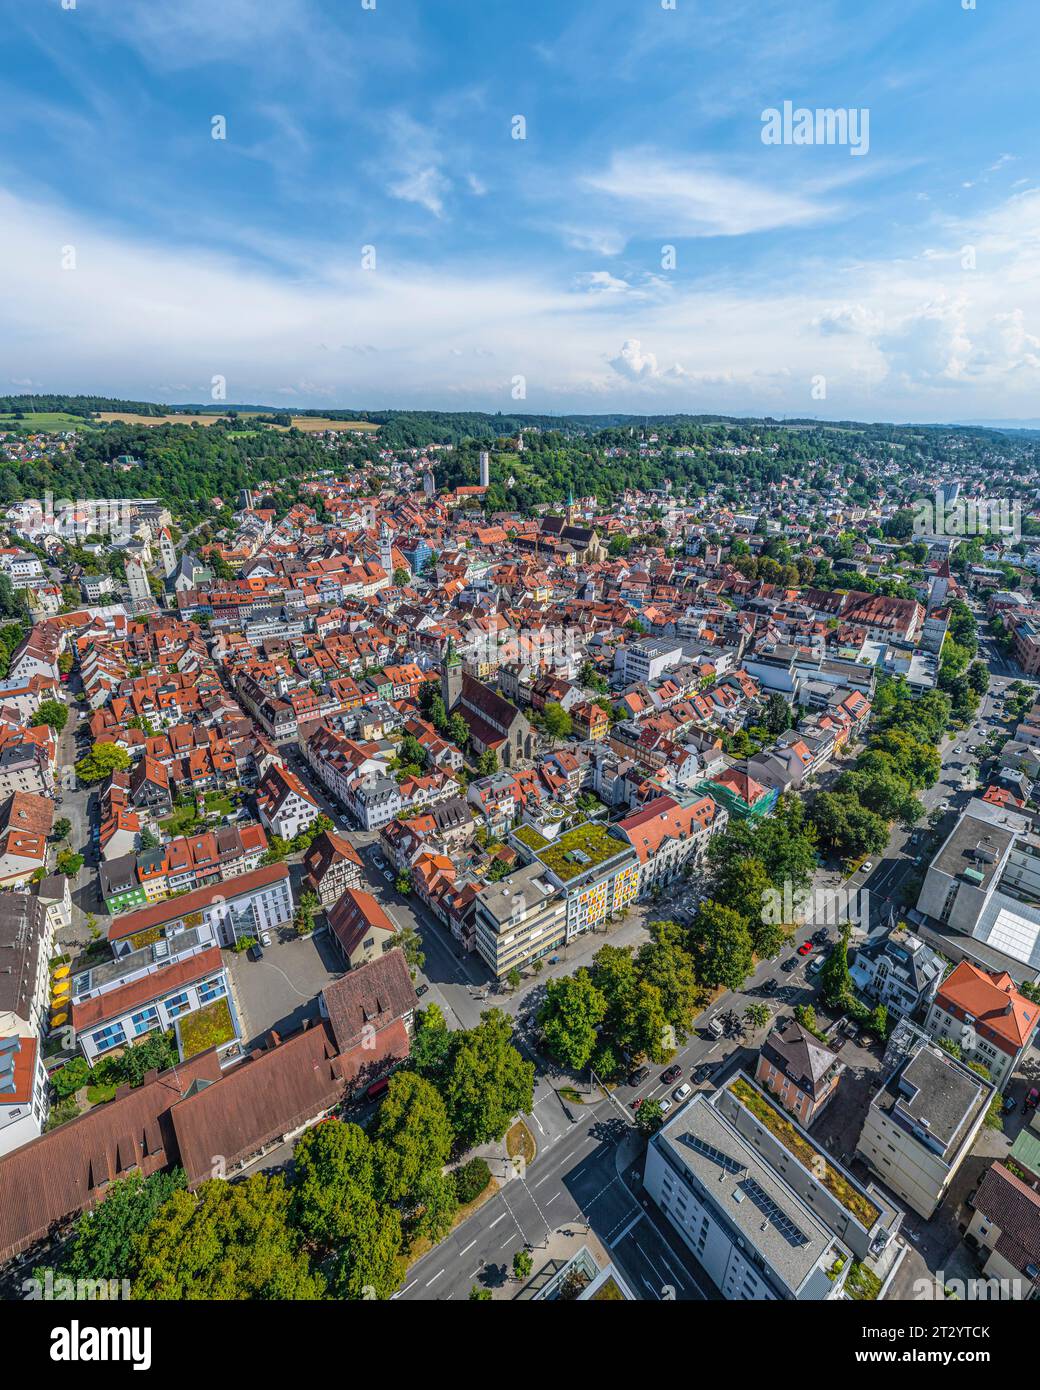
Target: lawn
[[580, 849], [183, 819], [205, 1028], [44, 420]]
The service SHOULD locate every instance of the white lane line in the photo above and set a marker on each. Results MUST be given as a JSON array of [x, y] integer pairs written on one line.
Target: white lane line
[[468, 1247], [435, 1277], [553, 1198], [649, 1261], [497, 1220], [548, 1178], [634, 1222]]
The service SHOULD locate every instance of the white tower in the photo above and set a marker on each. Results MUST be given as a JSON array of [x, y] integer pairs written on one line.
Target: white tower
[[167, 553], [386, 558], [485, 468]]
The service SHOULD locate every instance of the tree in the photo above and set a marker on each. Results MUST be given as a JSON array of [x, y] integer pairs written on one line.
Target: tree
[[487, 763], [835, 980], [370, 1263], [479, 1295], [726, 956], [69, 863], [51, 712], [61, 828], [306, 912], [487, 1082], [333, 1165], [513, 979], [471, 1180], [757, 1015], [410, 941], [522, 1265], [104, 1242], [435, 1204], [776, 715], [431, 1044], [102, 760], [458, 730], [649, 1115], [403, 884], [225, 1241], [569, 1018], [847, 827], [401, 576], [558, 723], [664, 963], [412, 1134]]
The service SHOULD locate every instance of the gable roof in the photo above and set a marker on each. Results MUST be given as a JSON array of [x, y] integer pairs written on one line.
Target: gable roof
[[372, 997]]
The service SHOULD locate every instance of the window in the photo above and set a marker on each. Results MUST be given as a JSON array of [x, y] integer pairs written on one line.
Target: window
[[107, 1038], [145, 1021], [212, 989], [177, 1004]]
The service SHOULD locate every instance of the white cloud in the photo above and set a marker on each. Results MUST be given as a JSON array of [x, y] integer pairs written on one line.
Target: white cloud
[[690, 198], [635, 364], [427, 186]]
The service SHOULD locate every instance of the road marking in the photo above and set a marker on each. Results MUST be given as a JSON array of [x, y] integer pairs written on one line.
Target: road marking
[[406, 1288], [545, 1179], [436, 1276], [498, 1219], [672, 1272], [634, 1222], [553, 1198], [646, 1257], [468, 1247]]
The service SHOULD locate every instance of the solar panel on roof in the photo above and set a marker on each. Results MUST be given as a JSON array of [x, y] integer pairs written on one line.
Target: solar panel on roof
[[716, 1155], [780, 1220]]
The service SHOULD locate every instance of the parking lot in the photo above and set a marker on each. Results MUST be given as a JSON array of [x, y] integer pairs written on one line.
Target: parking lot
[[281, 990]]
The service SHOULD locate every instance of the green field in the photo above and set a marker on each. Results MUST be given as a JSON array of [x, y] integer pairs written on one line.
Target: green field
[[53, 420]]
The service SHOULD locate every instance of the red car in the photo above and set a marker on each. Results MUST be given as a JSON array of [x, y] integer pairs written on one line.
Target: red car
[[805, 949], [637, 1103]]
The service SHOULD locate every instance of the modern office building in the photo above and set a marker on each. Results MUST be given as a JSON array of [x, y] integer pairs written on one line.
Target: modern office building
[[597, 873], [519, 919], [922, 1124], [765, 1210]]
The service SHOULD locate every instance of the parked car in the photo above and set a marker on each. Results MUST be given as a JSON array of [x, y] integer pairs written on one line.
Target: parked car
[[702, 1072], [806, 948], [672, 1074], [868, 866], [638, 1075], [790, 964], [255, 952], [716, 1027], [637, 1103], [771, 985], [817, 965], [681, 1092], [265, 938], [665, 1105], [819, 937]]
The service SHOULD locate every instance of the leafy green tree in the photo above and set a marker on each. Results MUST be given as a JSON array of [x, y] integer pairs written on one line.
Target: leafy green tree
[[102, 760], [412, 1134], [104, 1240], [471, 1180], [61, 828], [431, 1045], [225, 1241], [847, 827], [664, 963], [569, 1018], [776, 715], [435, 1204], [479, 1295], [649, 1115], [487, 1082], [370, 1263], [69, 863], [558, 723], [333, 1165], [835, 980], [726, 955], [487, 763], [51, 712], [757, 1015], [522, 1264]]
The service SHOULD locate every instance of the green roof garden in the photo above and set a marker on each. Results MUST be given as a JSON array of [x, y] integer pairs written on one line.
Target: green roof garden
[[207, 1027], [581, 849], [812, 1158], [527, 835]]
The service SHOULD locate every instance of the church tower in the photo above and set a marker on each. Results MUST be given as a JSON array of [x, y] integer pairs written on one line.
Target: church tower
[[451, 677], [386, 555]]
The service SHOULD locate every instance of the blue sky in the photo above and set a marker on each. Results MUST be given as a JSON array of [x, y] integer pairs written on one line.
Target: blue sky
[[142, 258]]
